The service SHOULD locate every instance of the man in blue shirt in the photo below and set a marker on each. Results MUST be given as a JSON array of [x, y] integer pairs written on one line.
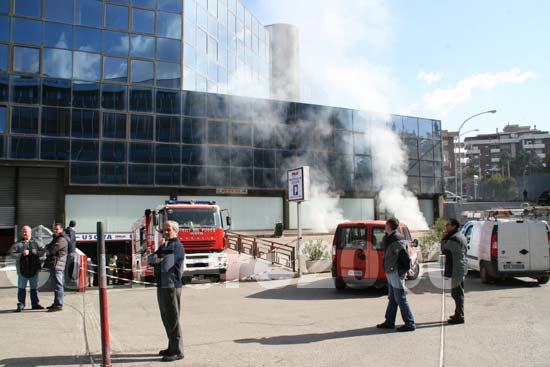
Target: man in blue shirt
[[168, 262]]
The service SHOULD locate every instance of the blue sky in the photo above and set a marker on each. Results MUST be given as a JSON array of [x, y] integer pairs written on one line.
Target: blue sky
[[440, 59]]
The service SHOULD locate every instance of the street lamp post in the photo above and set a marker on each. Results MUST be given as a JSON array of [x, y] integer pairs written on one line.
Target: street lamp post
[[460, 128]]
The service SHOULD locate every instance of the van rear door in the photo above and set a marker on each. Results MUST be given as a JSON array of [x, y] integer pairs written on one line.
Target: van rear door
[[351, 248], [538, 239], [513, 246]]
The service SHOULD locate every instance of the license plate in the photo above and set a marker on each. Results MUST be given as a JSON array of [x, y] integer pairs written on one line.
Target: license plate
[[514, 266], [355, 273]]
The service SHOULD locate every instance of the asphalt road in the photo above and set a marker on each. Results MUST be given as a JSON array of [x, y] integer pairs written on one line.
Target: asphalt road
[[287, 323]]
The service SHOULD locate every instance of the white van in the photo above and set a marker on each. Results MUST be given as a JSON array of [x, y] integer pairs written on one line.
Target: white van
[[509, 248]]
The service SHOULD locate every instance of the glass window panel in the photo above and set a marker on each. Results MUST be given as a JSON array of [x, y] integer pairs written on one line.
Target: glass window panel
[[25, 89], [189, 80], [3, 119], [4, 28], [168, 75], [437, 169], [242, 134], [222, 13], [115, 69], [265, 178], [61, 10], [437, 150], [213, 7], [23, 147], [414, 168], [217, 176], [141, 127], [167, 175], [58, 35], [169, 5], [55, 149], [200, 84], [113, 97], [142, 72], [396, 124], [4, 88], [89, 12], [194, 104], [343, 142], [190, 56], [87, 39], [4, 57], [113, 174], [428, 185], [412, 148], [56, 92], [437, 129], [26, 60], [114, 125], [425, 128], [141, 99], [141, 174], [242, 177], [213, 26], [143, 21], [141, 153], [31, 8], [192, 154], [426, 168], [169, 25], [145, 3], [361, 144], [168, 101], [202, 41], [202, 64], [116, 43], [217, 132], [84, 173], [85, 123], [190, 10], [55, 121], [363, 173], [169, 50], [242, 157], [120, 1], [219, 156], [168, 153], [84, 150], [202, 18], [264, 158], [168, 129], [116, 16], [57, 63], [193, 131], [189, 32], [24, 120], [85, 95], [27, 31], [426, 147], [87, 66], [217, 106], [410, 126], [213, 71], [113, 151], [212, 49], [142, 46], [193, 176]]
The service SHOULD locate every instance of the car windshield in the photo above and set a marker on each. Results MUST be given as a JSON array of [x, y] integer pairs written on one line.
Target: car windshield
[[195, 217], [352, 237]]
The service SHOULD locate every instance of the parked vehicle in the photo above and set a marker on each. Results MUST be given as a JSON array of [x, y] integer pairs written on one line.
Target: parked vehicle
[[449, 196], [467, 197], [544, 198], [504, 248], [358, 254]]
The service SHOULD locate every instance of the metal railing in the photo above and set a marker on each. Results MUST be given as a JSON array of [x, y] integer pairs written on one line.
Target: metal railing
[[281, 254]]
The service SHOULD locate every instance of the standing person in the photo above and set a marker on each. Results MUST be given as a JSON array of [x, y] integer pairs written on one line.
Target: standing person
[[113, 270], [27, 252], [73, 260], [56, 252], [397, 264], [70, 232], [90, 273], [168, 264], [454, 247]]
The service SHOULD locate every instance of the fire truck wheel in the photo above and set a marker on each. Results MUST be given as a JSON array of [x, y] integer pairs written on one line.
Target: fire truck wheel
[[186, 280]]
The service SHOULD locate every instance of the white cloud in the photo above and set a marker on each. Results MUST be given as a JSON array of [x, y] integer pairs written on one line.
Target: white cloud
[[442, 101], [429, 77]]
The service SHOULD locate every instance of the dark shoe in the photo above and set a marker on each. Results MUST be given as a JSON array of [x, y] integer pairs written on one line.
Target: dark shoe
[[406, 328], [19, 309], [38, 307], [52, 306], [385, 325], [172, 358], [55, 308], [455, 320], [163, 352]]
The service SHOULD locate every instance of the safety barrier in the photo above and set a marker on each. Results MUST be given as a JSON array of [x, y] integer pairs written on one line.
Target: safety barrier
[[274, 252]]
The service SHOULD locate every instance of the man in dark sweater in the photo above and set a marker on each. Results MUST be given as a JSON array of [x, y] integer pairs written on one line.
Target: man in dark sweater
[[397, 264], [168, 262]]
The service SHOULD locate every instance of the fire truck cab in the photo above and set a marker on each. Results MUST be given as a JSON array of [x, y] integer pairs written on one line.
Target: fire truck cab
[[201, 231]]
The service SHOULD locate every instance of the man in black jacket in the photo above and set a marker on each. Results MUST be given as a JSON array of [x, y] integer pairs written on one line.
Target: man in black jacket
[[397, 264], [168, 262], [27, 252], [56, 259]]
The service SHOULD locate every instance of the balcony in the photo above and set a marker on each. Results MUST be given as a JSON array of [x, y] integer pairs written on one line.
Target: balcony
[[533, 146], [495, 150], [495, 160]]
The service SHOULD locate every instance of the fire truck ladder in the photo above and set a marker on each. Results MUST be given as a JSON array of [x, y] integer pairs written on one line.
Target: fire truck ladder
[[276, 253]]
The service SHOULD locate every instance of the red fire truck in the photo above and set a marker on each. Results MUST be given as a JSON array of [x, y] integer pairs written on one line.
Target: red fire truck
[[201, 231]]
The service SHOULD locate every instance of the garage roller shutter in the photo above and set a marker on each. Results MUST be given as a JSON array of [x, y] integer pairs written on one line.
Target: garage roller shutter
[[7, 197], [37, 196]]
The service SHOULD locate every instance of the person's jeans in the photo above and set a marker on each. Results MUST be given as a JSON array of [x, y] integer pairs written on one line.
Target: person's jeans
[[22, 293], [58, 279], [397, 297], [457, 292]]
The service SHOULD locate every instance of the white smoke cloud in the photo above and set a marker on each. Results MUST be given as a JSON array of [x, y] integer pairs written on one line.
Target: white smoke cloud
[[429, 77], [442, 100]]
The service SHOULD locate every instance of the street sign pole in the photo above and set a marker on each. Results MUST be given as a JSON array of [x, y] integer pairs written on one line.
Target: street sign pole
[[298, 191], [299, 239]]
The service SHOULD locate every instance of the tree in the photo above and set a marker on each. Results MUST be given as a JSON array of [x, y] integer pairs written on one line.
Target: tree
[[501, 187], [525, 163]]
